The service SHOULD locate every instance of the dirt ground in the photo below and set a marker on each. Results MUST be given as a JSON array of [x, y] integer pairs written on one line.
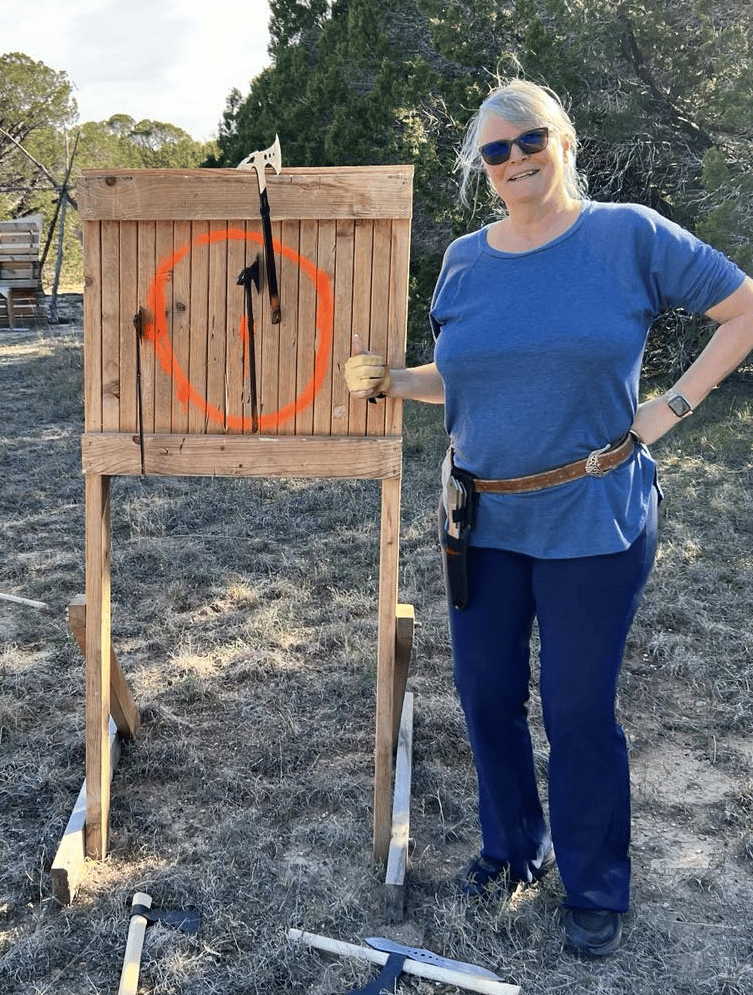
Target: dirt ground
[[244, 616]]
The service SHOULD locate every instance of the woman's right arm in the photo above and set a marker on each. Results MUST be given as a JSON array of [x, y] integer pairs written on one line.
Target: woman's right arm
[[417, 383], [367, 375]]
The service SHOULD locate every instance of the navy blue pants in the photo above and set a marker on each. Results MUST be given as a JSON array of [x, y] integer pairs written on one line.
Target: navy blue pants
[[584, 608]]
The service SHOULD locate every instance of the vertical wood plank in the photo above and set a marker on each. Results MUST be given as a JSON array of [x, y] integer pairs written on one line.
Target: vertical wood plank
[[93, 326], [111, 326], [129, 305], [364, 247], [216, 326], [307, 298], [163, 381], [389, 551], [381, 268], [269, 392], [289, 275], [147, 267], [341, 343], [97, 664], [398, 317], [181, 321], [323, 400], [234, 312], [199, 324]]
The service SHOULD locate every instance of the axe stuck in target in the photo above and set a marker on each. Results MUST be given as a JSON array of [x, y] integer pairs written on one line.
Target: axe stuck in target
[[259, 162]]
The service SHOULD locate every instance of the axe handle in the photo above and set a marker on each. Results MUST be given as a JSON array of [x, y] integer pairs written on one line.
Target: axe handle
[[269, 258], [249, 277], [129, 978]]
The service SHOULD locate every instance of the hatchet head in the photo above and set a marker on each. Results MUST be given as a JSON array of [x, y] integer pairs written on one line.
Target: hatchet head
[[260, 160], [249, 275]]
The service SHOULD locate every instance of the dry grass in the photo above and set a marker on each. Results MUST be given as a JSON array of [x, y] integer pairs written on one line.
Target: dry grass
[[244, 617]]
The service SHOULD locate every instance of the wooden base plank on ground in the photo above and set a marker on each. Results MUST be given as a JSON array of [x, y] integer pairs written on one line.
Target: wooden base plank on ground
[[68, 867], [404, 626], [397, 859]]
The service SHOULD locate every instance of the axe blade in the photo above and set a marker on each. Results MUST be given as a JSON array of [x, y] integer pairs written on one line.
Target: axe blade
[[260, 160], [249, 275], [186, 920]]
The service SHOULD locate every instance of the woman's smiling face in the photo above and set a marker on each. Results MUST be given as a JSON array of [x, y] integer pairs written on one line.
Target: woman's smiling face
[[525, 178]]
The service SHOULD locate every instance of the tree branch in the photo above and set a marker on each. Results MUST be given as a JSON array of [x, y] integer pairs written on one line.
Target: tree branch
[[644, 74], [60, 187]]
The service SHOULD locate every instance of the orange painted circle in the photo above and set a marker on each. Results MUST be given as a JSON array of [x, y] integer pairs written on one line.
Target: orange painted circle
[[156, 332]]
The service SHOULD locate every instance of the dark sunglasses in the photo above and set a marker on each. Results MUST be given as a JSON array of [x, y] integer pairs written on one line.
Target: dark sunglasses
[[495, 153]]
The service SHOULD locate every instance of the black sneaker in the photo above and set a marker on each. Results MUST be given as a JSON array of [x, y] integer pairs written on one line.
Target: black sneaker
[[485, 874], [593, 932]]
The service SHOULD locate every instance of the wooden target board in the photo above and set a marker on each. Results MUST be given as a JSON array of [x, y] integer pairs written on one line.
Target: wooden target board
[[172, 366]]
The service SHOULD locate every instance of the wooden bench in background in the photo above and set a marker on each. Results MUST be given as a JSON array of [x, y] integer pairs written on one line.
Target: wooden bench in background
[[21, 291]]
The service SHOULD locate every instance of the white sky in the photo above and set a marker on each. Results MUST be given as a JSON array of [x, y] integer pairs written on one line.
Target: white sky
[[172, 60]]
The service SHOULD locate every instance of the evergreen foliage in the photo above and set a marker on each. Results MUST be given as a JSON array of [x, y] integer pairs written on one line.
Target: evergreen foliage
[[659, 93]]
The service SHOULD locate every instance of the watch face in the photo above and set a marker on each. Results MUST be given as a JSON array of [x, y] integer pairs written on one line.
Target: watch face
[[679, 405]]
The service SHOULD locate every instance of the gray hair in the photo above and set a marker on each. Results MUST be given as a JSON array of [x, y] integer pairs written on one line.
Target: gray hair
[[522, 103]]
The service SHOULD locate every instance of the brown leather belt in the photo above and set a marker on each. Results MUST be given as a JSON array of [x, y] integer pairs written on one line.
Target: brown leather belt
[[596, 464]]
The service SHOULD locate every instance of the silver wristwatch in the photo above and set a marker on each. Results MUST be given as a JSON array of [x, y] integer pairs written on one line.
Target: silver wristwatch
[[679, 405]]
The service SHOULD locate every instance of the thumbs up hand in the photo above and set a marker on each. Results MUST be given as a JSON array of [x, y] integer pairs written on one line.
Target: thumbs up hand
[[366, 374]]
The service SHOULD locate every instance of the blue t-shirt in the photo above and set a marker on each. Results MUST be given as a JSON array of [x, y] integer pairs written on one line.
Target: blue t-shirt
[[540, 353]]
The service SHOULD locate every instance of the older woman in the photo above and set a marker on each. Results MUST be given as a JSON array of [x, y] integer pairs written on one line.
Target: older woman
[[551, 498]]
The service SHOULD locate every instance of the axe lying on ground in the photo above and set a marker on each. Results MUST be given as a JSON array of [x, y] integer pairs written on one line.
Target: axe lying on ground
[[143, 915], [398, 959], [259, 161]]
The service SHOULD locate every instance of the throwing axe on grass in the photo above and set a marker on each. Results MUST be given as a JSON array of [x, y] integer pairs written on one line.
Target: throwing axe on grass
[[396, 959], [142, 916], [259, 161]]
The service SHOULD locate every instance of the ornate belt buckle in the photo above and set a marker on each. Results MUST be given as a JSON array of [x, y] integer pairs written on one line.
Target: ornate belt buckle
[[593, 463]]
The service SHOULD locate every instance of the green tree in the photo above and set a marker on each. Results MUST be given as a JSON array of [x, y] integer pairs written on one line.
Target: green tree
[[36, 109], [726, 219], [659, 92], [341, 76]]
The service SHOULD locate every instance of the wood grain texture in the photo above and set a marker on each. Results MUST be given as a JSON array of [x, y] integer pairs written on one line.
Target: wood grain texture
[[346, 457], [213, 194]]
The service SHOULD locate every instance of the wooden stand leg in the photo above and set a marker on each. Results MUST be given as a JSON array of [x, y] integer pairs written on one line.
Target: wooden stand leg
[[388, 569], [9, 306], [97, 664], [122, 706]]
